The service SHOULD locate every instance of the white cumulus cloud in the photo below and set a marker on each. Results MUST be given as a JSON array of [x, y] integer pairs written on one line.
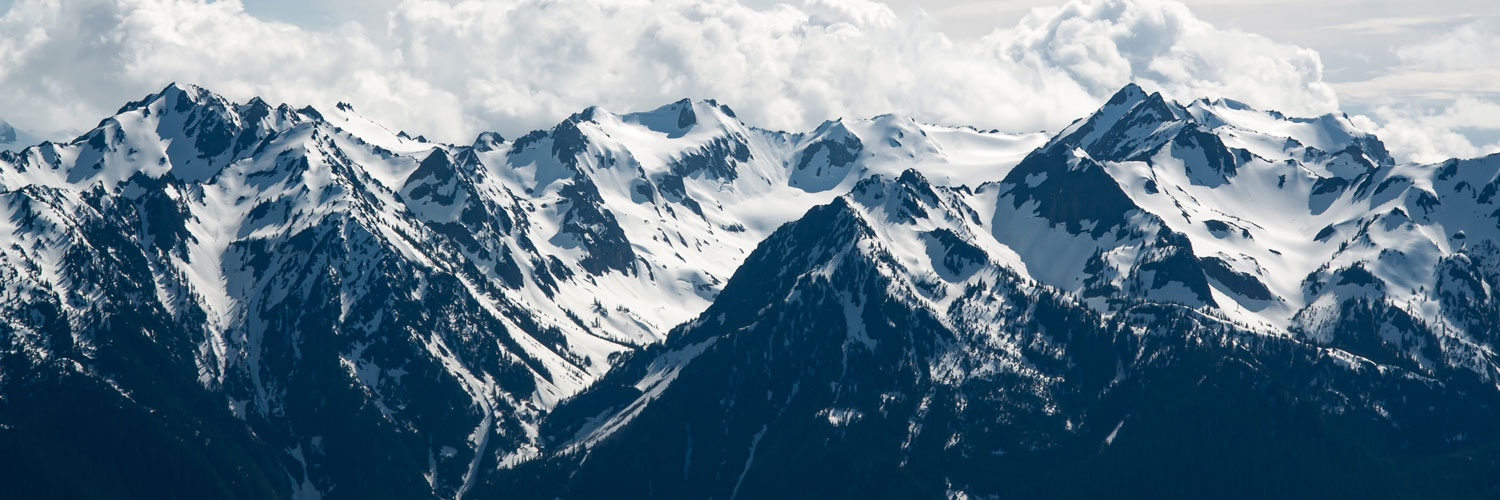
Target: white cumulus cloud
[[1460, 48], [1455, 72], [1161, 44], [452, 68], [1428, 135]]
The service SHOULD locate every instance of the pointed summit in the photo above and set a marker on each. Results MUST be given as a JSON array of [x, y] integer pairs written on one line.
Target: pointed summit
[[7, 133], [827, 158], [178, 97], [682, 117], [1127, 96], [1088, 130], [185, 130], [1125, 127], [904, 199], [434, 190], [488, 141]]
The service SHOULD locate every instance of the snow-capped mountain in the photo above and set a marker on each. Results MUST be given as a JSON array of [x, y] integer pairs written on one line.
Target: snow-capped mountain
[[1281, 224], [13, 139], [7, 133], [884, 346], [323, 278], [282, 302]]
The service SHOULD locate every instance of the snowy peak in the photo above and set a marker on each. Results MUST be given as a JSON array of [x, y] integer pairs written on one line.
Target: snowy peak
[[1221, 133], [882, 325], [1135, 132], [203, 130], [176, 97], [682, 117], [14, 140], [346, 121], [440, 302], [826, 157], [688, 139], [839, 153], [904, 199], [1089, 129], [183, 131], [886, 138], [1272, 135], [1294, 225], [686, 121], [487, 141], [898, 138], [7, 133], [435, 190]]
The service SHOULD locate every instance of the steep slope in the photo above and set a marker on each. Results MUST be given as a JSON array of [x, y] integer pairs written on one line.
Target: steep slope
[[345, 300], [680, 194], [338, 332], [1282, 224], [280, 302], [881, 346]]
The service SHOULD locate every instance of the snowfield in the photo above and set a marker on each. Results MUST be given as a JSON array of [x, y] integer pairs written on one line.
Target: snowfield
[[291, 264]]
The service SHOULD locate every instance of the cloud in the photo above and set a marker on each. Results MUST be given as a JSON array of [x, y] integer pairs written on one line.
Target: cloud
[[1470, 45], [1393, 25], [450, 69], [1161, 44], [1428, 135], [1449, 88], [1454, 62]]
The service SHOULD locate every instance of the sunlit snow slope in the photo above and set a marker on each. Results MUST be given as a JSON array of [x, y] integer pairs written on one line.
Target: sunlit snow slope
[[321, 277], [329, 307]]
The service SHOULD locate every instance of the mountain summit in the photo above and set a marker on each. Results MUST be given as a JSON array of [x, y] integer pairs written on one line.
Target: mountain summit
[[217, 299]]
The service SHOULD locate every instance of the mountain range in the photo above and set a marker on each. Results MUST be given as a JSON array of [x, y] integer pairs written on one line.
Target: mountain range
[[210, 299]]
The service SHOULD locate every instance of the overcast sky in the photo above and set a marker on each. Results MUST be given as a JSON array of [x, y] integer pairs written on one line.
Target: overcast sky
[[1423, 75]]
